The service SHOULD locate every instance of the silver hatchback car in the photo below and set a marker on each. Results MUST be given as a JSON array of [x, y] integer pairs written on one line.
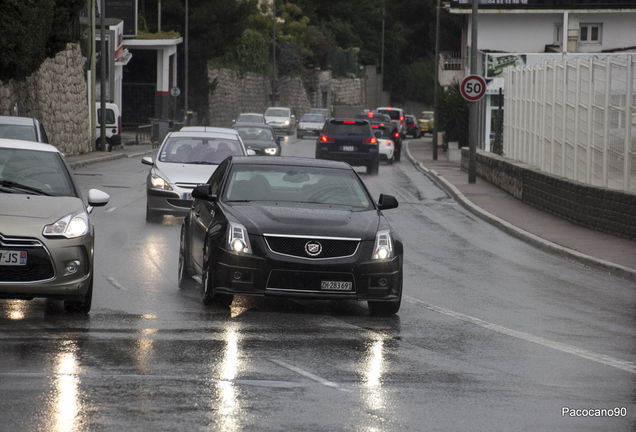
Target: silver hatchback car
[[46, 233], [186, 159]]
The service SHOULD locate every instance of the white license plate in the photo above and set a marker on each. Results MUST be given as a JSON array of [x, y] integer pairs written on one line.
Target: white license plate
[[348, 148], [13, 258], [336, 286], [187, 196]]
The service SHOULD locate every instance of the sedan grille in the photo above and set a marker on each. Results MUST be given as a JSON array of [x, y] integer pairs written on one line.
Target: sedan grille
[[39, 266], [305, 281], [312, 247]]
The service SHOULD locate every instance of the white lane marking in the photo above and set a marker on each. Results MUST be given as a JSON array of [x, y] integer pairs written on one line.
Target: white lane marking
[[116, 284], [308, 374], [569, 349], [112, 209]]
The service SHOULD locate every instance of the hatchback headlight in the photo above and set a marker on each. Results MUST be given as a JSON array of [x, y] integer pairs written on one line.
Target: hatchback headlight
[[383, 248], [238, 240], [159, 182], [286, 122], [70, 226]]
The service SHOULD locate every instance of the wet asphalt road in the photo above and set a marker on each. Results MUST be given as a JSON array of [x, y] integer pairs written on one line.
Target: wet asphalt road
[[493, 335]]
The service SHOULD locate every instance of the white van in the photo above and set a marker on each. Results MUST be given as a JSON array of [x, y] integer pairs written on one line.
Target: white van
[[113, 126]]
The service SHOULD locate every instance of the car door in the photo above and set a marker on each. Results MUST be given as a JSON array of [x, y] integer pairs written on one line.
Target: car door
[[205, 215]]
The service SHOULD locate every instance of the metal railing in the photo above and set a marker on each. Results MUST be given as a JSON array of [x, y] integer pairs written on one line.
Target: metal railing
[[575, 119]]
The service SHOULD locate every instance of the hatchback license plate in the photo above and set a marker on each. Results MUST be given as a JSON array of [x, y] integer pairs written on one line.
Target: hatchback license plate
[[347, 148], [336, 286], [13, 258]]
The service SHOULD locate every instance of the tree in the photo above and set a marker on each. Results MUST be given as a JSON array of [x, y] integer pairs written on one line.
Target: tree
[[32, 31], [253, 51]]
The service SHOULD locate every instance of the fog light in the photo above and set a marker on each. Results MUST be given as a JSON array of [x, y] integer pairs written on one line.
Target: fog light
[[72, 267], [383, 282], [238, 275]]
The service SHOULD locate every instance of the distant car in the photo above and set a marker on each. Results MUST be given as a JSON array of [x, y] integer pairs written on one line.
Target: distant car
[[290, 227], [22, 128], [113, 126], [385, 142], [412, 126], [47, 237], [384, 120], [310, 124], [351, 141], [260, 138], [250, 118], [323, 111], [186, 159], [281, 119], [425, 121], [397, 117]]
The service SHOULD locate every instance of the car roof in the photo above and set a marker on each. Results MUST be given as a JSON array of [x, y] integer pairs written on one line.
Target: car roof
[[389, 108], [206, 129], [27, 145], [289, 162], [250, 113], [13, 120], [258, 125]]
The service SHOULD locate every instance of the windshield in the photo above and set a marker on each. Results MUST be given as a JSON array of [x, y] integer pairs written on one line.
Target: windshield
[[395, 115], [19, 132], [199, 150], [297, 185], [313, 118], [277, 112], [250, 118], [34, 172], [255, 133], [426, 116]]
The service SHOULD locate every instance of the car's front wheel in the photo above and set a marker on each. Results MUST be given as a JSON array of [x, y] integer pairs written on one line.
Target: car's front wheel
[[208, 296], [373, 166], [81, 306], [184, 279]]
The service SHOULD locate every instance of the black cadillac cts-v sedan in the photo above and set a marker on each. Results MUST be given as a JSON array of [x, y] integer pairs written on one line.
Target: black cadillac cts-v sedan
[[290, 227]]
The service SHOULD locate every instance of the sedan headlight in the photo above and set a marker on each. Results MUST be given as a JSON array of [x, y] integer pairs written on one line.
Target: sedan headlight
[[286, 122], [271, 151], [160, 183], [70, 226], [383, 247], [238, 240]]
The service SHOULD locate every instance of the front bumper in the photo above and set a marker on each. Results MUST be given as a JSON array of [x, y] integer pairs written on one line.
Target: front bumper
[[284, 276]]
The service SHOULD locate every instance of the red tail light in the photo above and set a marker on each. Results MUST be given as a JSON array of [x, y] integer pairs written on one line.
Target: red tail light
[[349, 121], [371, 140], [327, 139], [374, 126], [397, 134], [401, 118], [370, 114]]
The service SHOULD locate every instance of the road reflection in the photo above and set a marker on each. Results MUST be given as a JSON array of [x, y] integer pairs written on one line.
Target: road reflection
[[373, 369], [66, 384], [229, 405]]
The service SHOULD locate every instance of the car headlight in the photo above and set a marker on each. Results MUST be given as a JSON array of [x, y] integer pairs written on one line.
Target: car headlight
[[160, 183], [286, 122], [271, 151], [70, 226], [383, 248], [238, 240]]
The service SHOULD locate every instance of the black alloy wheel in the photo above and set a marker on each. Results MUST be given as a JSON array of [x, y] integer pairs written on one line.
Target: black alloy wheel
[[208, 296], [184, 279], [81, 306]]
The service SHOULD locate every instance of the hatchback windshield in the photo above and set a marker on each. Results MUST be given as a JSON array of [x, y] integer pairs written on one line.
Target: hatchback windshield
[[255, 133], [313, 118], [19, 132], [298, 185], [277, 112], [199, 150], [32, 171], [395, 115], [250, 118]]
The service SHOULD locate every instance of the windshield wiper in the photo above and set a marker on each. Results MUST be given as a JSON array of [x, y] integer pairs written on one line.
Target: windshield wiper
[[13, 185]]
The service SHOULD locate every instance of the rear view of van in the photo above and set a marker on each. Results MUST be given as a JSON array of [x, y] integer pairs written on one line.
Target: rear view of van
[[113, 126]]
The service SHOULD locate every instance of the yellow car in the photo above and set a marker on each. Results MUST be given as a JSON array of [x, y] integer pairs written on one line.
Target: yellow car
[[426, 122]]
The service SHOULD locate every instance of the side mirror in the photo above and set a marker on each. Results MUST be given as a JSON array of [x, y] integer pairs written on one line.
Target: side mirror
[[96, 198], [385, 202], [147, 160], [278, 139], [203, 192], [251, 152]]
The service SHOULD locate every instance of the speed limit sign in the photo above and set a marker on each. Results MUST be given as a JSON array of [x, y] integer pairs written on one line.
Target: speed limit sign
[[473, 88]]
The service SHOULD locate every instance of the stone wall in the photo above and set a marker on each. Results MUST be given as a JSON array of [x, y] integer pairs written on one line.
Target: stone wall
[[249, 92], [56, 95], [598, 208]]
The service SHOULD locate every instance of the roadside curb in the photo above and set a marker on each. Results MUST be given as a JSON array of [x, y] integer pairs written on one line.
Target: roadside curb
[[541, 243], [107, 157]]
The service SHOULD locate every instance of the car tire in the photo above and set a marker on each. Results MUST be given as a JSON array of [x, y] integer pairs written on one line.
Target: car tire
[[81, 306], [389, 161], [109, 145], [184, 279], [373, 168], [397, 155], [208, 296], [384, 308], [298, 135], [152, 216]]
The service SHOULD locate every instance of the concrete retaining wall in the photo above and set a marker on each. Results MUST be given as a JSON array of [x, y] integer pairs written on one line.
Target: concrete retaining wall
[[597, 208], [56, 95]]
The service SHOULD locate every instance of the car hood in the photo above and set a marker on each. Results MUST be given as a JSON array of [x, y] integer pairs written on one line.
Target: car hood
[[260, 144], [26, 215], [311, 125], [276, 119], [186, 173], [313, 220]]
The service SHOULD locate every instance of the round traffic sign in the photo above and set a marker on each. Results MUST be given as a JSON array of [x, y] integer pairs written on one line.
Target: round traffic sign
[[175, 91], [473, 88]]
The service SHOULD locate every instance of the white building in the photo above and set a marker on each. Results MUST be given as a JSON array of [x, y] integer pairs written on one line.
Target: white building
[[524, 32]]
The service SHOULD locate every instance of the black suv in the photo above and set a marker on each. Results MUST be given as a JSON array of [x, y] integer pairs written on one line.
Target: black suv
[[384, 120], [351, 141]]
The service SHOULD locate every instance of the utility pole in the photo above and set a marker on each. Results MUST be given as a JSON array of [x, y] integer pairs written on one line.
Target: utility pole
[[474, 108], [274, 55], [382, 61], [102, 105], [185, 103], [436, 86]]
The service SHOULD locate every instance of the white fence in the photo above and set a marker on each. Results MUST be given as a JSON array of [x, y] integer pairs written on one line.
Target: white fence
[[575, 119]]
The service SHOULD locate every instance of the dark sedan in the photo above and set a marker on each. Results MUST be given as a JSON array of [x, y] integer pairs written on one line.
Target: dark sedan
[[259, 137], [291, 227]]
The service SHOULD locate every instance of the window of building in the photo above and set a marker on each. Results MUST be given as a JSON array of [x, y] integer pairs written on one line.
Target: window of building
[[590, 33]]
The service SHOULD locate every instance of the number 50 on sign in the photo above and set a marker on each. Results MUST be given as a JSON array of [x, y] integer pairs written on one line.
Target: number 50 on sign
[[473, 88]]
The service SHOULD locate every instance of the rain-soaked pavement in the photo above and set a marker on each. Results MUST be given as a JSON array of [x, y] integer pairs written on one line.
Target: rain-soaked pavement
[[493, 335]]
